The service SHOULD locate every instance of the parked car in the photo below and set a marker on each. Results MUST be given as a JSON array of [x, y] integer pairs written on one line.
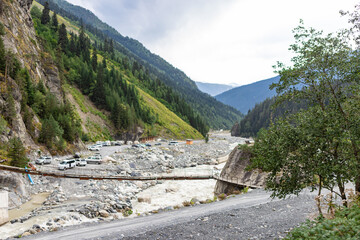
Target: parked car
[[80, 162], [148, 145], [94, 159], [173, 143], [157, 144], [94, 148], [66, 164], [43, 160]]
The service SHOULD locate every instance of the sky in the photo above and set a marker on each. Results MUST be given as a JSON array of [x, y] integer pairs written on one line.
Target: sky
[[219, 41]]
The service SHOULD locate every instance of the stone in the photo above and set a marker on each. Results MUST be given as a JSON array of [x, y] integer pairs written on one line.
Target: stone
[[104, 213], [25, 234], [145, 199]]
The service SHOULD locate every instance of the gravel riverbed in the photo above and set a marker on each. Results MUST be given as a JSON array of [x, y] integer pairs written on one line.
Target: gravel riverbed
[[272, 220], [73, 201]]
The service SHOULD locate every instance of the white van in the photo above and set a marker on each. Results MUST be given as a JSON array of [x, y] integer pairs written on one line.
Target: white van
[[43, 160], [66, 164]]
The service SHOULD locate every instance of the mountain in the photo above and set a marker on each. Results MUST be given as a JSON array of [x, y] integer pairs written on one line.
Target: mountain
[[213, 89], [245, 97], [61, 87], [262, 114], [216, 114]]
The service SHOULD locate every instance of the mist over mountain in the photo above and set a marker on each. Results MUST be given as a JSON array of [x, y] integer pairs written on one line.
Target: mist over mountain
[[213, 89]]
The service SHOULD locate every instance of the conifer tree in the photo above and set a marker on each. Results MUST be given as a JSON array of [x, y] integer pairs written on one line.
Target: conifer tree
[[94, 60], [63, 40], [55, 22], [45, 16], [16, 152]]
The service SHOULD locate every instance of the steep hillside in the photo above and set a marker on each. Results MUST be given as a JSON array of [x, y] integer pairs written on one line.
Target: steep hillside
[[262, 115], [45, 104], [245, 97], [216, 114], [116, 86], [213, 89]]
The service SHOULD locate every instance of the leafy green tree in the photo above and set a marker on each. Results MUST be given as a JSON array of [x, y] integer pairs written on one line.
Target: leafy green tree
[[51, 132], [35, 12], [322, 141], [17, 153], [45, 16]]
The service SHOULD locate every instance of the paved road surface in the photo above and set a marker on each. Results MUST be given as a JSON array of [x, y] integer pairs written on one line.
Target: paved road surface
[[210, 221]]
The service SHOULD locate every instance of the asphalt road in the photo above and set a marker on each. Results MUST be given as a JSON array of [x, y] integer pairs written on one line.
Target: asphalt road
[[244, 214]]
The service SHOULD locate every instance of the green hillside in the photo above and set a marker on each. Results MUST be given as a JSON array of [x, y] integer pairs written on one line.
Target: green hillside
[[216, 114], [110, 81]]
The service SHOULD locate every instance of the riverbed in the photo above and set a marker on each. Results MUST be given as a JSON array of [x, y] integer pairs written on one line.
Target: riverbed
[[72, 201]]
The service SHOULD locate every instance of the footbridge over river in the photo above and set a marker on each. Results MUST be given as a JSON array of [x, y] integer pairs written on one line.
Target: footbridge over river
[[202, 174]]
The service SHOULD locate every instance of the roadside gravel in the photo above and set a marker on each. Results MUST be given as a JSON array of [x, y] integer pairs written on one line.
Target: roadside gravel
[[272, 220]]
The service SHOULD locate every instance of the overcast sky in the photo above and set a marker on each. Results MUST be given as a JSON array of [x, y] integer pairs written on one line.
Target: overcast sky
[[219, 41]]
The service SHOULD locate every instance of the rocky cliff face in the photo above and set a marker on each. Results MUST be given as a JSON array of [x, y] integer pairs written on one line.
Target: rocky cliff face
[[20, 39], [234, 171]]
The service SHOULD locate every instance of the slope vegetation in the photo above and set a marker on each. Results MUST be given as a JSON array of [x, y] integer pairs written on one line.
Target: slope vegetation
[[216, 114], [245, 97]]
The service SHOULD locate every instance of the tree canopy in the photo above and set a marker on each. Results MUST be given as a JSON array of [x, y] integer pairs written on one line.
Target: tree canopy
[[319, 145]]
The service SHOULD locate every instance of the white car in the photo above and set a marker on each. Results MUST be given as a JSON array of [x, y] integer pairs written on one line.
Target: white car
[[94, 159], [80, 162], [43, 160], [66, 164], [94, 148]]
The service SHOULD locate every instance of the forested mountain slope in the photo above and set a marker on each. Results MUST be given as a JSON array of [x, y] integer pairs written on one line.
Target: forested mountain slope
[[216, 114], [245, 97], [262, 115], [60, 89]]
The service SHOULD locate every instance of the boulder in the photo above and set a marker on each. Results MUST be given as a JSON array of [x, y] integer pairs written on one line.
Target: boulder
[[235, 130], [104, 213], [234, 175], [145, 199]]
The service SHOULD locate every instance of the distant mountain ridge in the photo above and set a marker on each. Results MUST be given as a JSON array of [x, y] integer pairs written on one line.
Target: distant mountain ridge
[[245, 97], [215, 113], [213, 89]]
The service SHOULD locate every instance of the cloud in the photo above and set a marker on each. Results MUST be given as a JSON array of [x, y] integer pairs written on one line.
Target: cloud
[[219, 41]]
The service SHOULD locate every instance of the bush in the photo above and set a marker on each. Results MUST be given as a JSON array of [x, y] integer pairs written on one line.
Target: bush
[[345, 225], [222, 196]]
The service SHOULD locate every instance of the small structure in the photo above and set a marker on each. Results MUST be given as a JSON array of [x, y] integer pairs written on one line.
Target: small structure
[[4, 215], [147, 139], [189, 142]]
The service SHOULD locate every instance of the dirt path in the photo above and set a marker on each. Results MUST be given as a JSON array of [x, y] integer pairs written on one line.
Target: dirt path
[[241, 217]]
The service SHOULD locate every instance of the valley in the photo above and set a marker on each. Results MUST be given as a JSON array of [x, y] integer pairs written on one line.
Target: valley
[[70, 202]]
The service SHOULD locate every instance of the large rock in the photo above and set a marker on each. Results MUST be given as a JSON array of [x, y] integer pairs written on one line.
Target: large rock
[[235, 130], [235, 176]]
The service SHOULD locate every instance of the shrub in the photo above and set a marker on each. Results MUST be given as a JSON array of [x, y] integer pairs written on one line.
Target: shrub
[[222, 196], [345, 225]]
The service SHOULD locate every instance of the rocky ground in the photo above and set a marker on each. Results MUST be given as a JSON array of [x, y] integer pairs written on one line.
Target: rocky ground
[[272, 220], [72, 201]]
